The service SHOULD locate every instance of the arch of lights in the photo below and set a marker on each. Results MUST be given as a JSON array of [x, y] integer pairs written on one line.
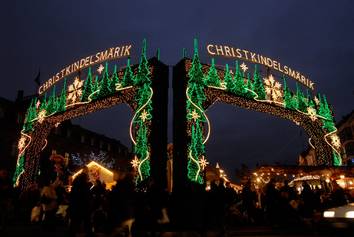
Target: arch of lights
[[103, 88], [208, 84]]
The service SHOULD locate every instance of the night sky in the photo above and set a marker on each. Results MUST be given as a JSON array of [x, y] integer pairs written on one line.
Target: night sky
[[314, 37]]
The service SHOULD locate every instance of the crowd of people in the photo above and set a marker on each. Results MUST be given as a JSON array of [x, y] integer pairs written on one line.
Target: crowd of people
[[90, 208]]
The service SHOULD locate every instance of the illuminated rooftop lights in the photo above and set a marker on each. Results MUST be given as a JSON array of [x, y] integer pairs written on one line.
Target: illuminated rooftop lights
[[92, 164]]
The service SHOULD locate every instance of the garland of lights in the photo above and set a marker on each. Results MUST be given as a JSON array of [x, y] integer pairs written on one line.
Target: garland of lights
[[221, 85], [195, 98], [81, 99]]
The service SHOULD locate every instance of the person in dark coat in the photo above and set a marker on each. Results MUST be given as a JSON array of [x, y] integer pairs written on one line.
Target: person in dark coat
[[80, 204]]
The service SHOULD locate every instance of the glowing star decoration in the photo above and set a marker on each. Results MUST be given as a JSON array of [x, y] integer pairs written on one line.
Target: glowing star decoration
[[75, 90], [273, 88], [21, 143], [243, 67], [144, 115], [203, 163], [100, 69], [195, 115], [335, 141], [135, 162], [118, 86], [41, 116], [312, 113]]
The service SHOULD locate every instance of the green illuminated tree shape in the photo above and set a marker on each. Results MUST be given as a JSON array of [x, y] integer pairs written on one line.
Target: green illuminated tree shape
[[288, 98], [88, 87], [325, 111], [195, 72], [197, 148], [105, 89], [249, 88], [196, 94], [143, 95], [62, 99], [44, 102], [30, 116], [301, 103], [213, 78], [311, 104], [196, 85], [141, 150], [115, 80], [52, 103], [258, 84], [240, 87], [143, 74], [96, 88], [228, 79], [128, 78], [199, 136]]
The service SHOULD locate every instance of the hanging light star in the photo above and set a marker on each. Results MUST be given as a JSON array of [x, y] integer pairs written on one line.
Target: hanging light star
[[195, 115], [335, 141], [273, 88], [144, 115], [41, 116], [312, 113], [243, 67], [100, 69], [75, 90], [203, 162], [135, 162]]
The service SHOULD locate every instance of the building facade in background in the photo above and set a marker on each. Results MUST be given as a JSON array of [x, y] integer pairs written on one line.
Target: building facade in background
[[346, 133]]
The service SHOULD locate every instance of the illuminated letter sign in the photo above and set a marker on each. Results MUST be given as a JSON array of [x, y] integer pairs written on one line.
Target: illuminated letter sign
[[108, 54], [231, 52]]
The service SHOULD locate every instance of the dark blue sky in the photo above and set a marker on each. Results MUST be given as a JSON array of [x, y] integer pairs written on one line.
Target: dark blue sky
[[315, 37]]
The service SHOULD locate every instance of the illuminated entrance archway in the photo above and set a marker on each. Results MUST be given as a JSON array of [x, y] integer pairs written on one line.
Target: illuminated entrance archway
[[133, 85], [202, 85]]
